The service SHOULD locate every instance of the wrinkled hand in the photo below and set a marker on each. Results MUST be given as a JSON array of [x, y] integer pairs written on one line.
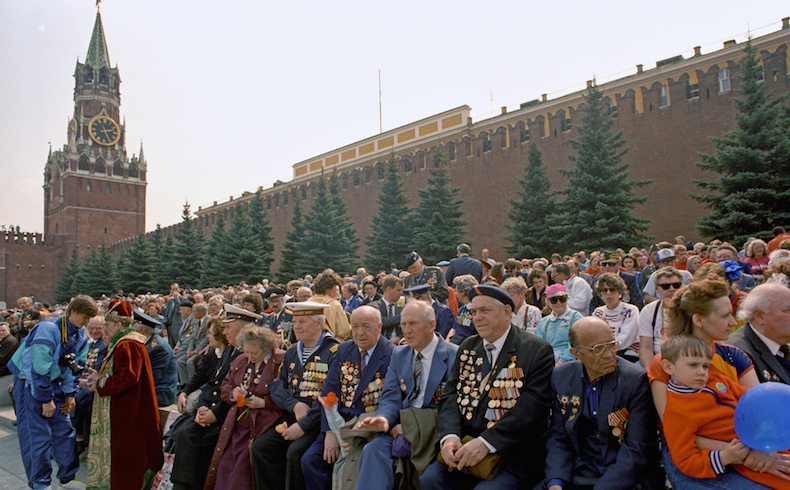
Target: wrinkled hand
[[293, 432], [396, 431], [775, 463], [331, 447], [190, 354], [68, 405], [181, 402], [93, 378], [48, 409], [255, 402], [471, 453], [449, 449], [205, 417], [238, 392], [375, 424], [300, 410], [176, 350]]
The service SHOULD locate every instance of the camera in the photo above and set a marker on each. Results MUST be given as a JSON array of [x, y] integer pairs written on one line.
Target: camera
[[70, 361]]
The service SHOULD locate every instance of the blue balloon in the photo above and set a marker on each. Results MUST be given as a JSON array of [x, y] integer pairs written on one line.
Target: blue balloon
[[761, 419]]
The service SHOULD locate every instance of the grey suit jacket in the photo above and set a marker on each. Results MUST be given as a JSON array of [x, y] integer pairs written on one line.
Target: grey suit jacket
[[766, 365]]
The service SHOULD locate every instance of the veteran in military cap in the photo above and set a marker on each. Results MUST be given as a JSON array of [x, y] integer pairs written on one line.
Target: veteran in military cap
[[356, 376], [416, 378], [280, 316], [445, 321], [196, 437], [277, 454], [419, 273], [496, 402], [163, 361]]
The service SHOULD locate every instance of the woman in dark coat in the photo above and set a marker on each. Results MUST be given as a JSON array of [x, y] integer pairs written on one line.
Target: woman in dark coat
[[253, 412]]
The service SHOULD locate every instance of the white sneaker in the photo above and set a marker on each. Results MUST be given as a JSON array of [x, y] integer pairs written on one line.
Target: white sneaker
[[73, 484]]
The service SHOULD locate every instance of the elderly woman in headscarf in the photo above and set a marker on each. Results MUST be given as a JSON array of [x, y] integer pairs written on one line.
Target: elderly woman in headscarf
[[253, 412], [126, 444]]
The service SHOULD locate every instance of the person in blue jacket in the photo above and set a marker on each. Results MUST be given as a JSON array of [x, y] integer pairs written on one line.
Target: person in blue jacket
[[46, 370]]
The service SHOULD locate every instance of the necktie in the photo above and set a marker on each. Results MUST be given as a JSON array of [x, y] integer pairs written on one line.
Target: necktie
[[417, 372], [363, 362], [392, 309], [489, 358], [783, 356]]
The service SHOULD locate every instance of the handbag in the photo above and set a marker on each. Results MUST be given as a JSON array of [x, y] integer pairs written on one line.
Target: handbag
[[486, 469], [192, 400]]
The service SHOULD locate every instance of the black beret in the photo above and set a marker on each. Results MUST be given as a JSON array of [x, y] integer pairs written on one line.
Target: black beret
[[492, 291], [411, 259]]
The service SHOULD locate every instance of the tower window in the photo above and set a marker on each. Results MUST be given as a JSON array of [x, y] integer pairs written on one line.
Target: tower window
[[83, 163], [724, 80], [103, 77], [133, 172], [87, 74], [664, 96], [99, 167], [126, 191], [88, 186], [108, 188], [117, 169]]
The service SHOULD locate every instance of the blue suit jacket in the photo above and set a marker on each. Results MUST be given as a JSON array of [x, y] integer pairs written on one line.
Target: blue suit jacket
[[623, 465], [464, 265], [163, 367], [401, 373], [444, 318], [349, 352]]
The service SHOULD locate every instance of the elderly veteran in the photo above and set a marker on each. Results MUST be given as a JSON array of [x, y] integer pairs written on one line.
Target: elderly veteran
[[419, 274], [252, 411], [496, 402], [356, 376], [279, 316], [445, 321], [277, 454], [197, 436], [611, 262], [163, 361], [125, 419], [416, 378], [603, 428]]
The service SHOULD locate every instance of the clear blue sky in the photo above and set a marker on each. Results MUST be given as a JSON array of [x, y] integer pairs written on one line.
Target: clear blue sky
[[228, 95]]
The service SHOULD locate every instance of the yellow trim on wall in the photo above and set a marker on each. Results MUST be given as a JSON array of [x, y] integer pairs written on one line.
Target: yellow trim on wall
[[639, 103], [315, 166], [546, 125], [406, 136], [300, 171], [365, 149], [387, 142], [348, 155], [451, 121], [429, 128], [332, 160]]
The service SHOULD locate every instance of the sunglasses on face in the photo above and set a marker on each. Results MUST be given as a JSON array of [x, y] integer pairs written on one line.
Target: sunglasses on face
[[666, 286], [608, 290], [558, 299], [599, 349], [609, 263]]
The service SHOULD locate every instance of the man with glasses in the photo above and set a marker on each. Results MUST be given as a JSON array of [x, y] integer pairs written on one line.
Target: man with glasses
[[579, 292], [603, 418], [653, 316], [664, 258], [610, 262]]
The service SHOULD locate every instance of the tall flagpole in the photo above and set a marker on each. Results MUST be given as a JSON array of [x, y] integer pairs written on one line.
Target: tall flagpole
[[381, 126]]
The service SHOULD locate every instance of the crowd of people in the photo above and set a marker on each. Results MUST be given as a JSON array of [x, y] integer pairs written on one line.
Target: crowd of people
[[567, 372]]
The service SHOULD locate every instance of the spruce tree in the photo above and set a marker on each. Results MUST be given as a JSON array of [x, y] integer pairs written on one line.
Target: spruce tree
[[135, 271], [239, 255], [169, 265], [391, 236], [438, 222], [597, 212], [262, 232], [95, 277], [64, 290], [329, 239], [289, 259], [188, 252], [212, 274], [532, 212], [751, 192]]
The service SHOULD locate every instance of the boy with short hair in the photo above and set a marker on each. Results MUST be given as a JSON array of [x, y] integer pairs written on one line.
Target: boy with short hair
[[696, 407]]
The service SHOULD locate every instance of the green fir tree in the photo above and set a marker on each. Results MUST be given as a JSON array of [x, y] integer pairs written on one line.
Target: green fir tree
[[212, 273], [188, 251], [262, 232], [438, 222], [239, 255], [391, 236], [750, 193], [135, 270], [597, 212], [289, 260], [64, 290], [160, 261], [532, 212]]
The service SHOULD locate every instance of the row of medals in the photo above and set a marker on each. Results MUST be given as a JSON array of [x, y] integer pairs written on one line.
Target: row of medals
[[313, 378], [349, 379], [502, 396]]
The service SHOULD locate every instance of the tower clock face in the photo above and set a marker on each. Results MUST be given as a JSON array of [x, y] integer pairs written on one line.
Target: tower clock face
[[104, 130]]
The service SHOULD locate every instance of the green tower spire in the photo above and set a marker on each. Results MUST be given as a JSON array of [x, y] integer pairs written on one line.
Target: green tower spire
[[97, 50]]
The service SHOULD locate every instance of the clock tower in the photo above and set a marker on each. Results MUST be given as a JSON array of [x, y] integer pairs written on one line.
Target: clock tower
[[94, 192]]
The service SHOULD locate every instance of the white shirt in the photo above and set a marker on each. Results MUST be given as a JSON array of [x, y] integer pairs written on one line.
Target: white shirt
[[772, 346], [427, 360], [624, 322], [579, 294], [646, 326]]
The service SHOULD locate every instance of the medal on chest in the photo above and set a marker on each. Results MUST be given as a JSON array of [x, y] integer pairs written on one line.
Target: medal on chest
[[312, 382], [503, 392]]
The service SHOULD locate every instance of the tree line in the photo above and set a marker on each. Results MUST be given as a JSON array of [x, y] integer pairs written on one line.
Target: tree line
[[748, 194]]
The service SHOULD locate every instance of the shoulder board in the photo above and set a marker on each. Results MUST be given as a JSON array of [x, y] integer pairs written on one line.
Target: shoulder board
[[333, 349]]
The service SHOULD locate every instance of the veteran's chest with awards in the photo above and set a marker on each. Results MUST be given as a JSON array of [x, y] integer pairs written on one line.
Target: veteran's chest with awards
[[311, 382]]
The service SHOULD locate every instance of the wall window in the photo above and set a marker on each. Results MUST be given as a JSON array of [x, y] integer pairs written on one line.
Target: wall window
[[453, 153], [83, 163], [524, 135], [407, 165], [356, 180], [381, 172], [692, 91], [664, 96], [487, 145], [108, 188], [133, 172], [724, 80], [88, 186], [304, 193], [566, 124], [285, 199], [126, 190]]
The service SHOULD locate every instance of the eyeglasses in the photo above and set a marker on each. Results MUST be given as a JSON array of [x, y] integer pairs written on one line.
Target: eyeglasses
[[608, 290], [558, 299], [667, 285], [599, 349], [609, 263]]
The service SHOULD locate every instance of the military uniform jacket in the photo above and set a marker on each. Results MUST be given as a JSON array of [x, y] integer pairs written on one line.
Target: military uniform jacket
[[304, 382], [273, 321], [513, 421], [433, 276], [357, 392], [165, 371], [629, 449], [766, 365], [211, 396], [399, 382]]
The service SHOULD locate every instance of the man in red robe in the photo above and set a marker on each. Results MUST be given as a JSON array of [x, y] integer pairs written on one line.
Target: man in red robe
[[126, 443]]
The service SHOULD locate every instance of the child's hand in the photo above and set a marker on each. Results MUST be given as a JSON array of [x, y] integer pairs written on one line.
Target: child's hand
[[735, 453]]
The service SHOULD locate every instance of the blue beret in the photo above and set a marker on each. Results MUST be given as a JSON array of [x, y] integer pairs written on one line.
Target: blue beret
[[274, 293], [442, 263], [141, 317], [492, 291], [417, 290]]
